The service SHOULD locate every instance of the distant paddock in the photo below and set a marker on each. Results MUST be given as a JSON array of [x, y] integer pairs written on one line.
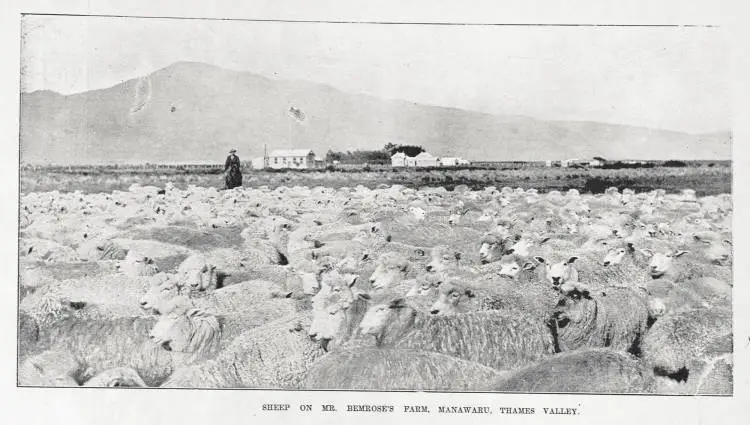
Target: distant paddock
[[704, 179]]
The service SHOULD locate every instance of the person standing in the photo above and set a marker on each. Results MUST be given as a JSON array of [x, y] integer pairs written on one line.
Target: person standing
[[232, 173]]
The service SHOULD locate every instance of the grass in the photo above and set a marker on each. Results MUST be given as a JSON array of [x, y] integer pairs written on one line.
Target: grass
[[705, 180]]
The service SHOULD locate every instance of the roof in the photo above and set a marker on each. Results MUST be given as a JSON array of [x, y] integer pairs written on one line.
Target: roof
[[290, 152], [424, 155], [398, 155]]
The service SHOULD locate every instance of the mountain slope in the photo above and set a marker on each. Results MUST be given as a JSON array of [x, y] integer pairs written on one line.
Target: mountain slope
[[193, 111]]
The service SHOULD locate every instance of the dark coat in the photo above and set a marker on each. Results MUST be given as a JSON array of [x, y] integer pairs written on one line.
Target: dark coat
[[232, 173]]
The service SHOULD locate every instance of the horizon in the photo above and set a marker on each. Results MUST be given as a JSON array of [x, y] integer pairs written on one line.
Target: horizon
[[669, 79]]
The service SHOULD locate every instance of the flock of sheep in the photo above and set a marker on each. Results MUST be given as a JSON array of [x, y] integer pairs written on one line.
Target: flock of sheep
[[384, 289]]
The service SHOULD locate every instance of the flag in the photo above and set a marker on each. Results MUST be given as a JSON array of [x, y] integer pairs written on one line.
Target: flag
[[297, 114]]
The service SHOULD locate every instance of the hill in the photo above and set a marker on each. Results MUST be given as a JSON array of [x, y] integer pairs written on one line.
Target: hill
[[193, 111]]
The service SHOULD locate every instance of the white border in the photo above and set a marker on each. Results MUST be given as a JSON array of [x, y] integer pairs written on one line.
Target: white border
[[86, 406]]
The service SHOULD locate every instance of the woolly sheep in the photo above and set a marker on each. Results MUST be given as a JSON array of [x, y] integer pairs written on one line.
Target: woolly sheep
[[615, 318], [275, 355], [136, 264], [680, 340], [98, 345], [116, 377], [392, 370], [590, 370], [391, 268]]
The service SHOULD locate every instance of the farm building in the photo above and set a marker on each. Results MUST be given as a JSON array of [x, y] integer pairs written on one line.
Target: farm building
[[291, 158], [452, 162], [398, 159], [424, 159]]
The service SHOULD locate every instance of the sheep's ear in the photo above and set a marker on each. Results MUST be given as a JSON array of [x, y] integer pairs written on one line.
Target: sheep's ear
[[352, 280], [728, 242], [288, 294], [679, 253], [646, 252], [571, 260], [631, 247], [540, 260], [364, 296], [469, 293], [397, 303], [528, 266], [457, 255], [544, 240]]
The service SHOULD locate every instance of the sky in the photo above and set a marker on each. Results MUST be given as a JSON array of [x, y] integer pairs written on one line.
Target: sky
[[674, 78]]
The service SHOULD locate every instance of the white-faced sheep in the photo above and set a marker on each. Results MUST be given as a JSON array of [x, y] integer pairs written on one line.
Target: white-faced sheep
[[136, 264], [391, 268], [183, 335], [275, 355], [616, 317], [496, 339], [590, 370], [664, 265], [391, 370]]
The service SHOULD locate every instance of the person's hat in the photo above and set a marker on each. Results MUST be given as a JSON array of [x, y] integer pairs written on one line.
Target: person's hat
[[232, 150]]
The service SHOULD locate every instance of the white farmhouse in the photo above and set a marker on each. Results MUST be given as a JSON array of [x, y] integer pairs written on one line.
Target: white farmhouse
[[291, 158], [398, 159], [452, 162], [424, 159]]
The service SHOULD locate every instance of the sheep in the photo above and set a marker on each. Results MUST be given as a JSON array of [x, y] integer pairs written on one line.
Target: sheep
[[494, 338], [49, 369], [153, 348], [443, 258], [662, 266], [615, 318], [391, 268], [135, 264], [337, 311], [396, 369], [45, 250], [116, 377], [493, 246], [679, 341], [275, 355], [588, 370]]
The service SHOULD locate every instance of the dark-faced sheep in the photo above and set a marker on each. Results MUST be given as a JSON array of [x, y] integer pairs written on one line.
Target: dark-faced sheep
[[396, 369], [589, 370], [616, 318]]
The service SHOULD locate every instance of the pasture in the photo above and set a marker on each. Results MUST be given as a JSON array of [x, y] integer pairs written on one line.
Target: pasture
[[380, 280], [705, 178]]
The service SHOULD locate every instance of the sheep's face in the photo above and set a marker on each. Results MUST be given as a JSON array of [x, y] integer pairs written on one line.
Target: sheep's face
[[614, 257], [450, 296], [377, 316], [135, 265], [388, 271], [328, 318], [510, 268], [660, 262], [158, 294], [443, 259], [560, 272], [572, 306], [172, 331], [454, 219], [491, 249], [202, 278]]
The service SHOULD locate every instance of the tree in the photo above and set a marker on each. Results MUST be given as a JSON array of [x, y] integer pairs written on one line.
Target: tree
[[408, 150]]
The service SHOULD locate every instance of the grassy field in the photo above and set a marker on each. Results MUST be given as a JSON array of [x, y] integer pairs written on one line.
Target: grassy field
[[704, 179]]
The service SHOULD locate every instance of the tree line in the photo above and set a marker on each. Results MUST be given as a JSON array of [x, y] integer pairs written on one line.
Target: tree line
[[381, 156]]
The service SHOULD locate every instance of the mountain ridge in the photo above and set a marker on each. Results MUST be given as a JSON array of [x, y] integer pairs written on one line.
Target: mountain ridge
[[190, 111]]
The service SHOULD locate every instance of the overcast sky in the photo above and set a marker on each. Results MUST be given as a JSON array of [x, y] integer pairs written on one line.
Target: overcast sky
[[670, 78]]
